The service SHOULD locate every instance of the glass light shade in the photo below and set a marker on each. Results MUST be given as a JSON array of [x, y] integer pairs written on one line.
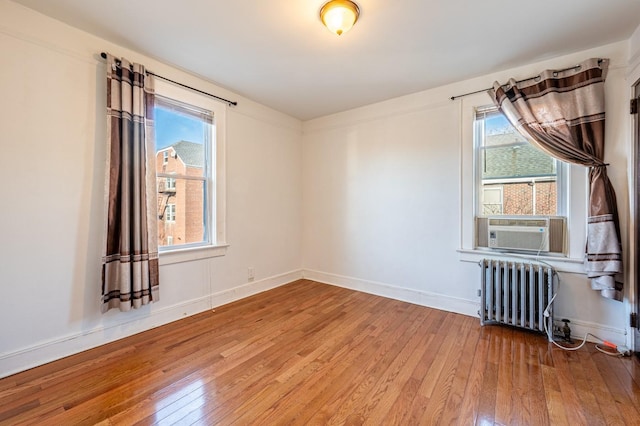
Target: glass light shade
[[339, 15]]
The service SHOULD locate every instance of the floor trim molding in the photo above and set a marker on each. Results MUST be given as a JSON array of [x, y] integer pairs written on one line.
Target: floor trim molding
[[148, 318], [423, 298], [451, 304]]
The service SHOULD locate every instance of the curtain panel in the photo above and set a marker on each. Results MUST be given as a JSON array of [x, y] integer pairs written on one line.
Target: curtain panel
[[130, 256], [563, 114]]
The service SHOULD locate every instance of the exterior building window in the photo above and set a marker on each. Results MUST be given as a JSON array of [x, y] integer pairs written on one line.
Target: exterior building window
[[491, 200], [170, 213], [189, 131], [185, 182], [513, 177], [171, 183]]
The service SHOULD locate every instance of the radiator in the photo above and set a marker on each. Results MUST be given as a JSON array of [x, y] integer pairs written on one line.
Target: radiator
[[517, 294]]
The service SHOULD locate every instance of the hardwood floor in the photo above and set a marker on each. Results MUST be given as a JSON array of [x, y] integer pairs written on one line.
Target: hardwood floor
[[309, 353]]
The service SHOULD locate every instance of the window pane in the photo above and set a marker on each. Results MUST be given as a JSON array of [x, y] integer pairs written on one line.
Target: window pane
[[183, 141], [525, 177], [492, 200], [181, 214]]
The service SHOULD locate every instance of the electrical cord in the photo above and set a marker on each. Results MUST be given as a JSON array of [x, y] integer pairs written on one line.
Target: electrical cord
[[541, 244], [619, 350], [522, 256], [555, 274], [617, 353]]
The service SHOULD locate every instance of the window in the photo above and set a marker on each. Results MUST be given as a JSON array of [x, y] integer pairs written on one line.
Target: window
[[514, 178], [171, 183], [491, 200], [486, 195], [170, 213], [189, 129], [521, 185]]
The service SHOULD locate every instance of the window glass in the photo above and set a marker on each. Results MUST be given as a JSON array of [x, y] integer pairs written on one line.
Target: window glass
[[184, 173], [515, 177]]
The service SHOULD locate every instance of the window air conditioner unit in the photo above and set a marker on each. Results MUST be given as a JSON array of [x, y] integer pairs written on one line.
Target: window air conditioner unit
[[536, 233]]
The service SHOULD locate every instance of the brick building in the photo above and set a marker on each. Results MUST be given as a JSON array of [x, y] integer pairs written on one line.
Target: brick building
[[180, 200]]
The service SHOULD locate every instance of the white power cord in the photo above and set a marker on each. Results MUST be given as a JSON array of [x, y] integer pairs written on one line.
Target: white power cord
[[620, 350], [542, 245]]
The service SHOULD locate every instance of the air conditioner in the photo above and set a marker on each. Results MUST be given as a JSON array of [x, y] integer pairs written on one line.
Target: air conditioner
[[538, 233]]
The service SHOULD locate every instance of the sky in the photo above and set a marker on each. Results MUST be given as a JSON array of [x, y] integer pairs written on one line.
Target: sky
[[496, 123], [171, 128]]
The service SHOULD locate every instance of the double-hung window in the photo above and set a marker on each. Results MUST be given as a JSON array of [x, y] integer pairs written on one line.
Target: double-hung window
[[170, 213], [189, 159], [519, 190]]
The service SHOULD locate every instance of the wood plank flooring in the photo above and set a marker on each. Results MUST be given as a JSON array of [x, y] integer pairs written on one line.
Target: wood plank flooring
[[313, 354]]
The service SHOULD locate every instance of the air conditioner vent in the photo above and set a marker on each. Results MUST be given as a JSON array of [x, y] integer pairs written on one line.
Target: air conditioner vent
[[519, 222], [543, 234]]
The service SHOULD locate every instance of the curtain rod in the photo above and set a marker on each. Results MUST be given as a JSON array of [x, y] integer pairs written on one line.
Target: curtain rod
[[575, 67], [227, 101]]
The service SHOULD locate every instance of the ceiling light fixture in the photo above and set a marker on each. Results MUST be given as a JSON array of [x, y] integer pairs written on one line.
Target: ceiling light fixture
[[339, 15]]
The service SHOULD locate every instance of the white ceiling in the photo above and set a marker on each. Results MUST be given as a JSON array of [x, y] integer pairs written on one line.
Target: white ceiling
[[278, 53]]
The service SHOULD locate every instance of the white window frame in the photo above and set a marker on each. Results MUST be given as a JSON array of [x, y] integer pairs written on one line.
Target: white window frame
[[561, 171], [576, 197], [170, 183], [170, 212], [499, 189], [165, 157], [216, 188]]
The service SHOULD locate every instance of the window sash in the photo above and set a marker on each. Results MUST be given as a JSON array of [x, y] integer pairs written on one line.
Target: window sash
[[208, 171], [482, 114]]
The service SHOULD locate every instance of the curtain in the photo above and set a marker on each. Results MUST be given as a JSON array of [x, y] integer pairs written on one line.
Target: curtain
[[562, 113], [130, 256]]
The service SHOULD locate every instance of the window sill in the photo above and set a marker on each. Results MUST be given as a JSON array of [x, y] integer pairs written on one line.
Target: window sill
[[561, 264], [191, 254]]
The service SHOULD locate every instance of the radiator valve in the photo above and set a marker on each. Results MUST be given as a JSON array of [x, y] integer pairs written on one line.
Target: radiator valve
[[566, 330]]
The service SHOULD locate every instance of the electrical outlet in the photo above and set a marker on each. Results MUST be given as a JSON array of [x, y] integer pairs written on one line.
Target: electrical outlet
[[251, 273]]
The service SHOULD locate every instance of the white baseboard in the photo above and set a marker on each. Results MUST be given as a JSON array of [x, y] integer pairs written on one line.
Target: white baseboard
[[423, 298], [254, 287], [51, 350], [44, 352], [452, 304], [580, 328]]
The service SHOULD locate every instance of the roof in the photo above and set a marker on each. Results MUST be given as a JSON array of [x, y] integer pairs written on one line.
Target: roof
[[505, 136], [191, 153], [509, 155]]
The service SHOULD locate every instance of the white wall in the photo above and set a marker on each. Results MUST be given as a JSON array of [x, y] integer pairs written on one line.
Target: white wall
[[52, 132], [634, 47], [375, 198], [387, 200]]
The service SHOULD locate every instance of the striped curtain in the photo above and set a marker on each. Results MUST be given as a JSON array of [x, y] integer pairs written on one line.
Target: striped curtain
[[130, 256], [562, 113]]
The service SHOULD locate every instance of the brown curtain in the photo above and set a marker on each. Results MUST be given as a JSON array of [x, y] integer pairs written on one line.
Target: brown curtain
[[130, 259], [562, 113]]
